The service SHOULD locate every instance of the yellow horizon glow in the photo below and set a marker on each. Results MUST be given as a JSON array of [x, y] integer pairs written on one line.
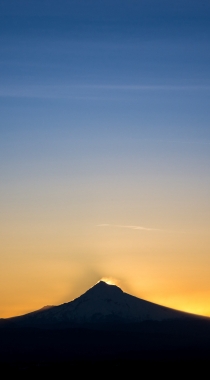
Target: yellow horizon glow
[[154, 244], [191, 303]]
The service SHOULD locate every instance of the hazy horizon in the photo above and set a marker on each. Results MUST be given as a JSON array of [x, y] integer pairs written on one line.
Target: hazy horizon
[[105, 151]]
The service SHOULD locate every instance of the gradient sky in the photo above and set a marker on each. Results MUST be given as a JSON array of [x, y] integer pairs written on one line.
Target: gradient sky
[[105, 151]]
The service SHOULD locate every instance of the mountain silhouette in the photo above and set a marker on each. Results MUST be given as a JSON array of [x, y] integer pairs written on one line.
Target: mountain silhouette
[[103, 326], [102, 304]]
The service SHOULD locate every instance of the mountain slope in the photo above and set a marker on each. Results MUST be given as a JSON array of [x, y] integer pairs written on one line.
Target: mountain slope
[[101, 304], [104, 325]]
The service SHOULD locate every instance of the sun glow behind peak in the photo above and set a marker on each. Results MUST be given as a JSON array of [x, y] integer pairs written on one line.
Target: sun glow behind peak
[[109, 280]]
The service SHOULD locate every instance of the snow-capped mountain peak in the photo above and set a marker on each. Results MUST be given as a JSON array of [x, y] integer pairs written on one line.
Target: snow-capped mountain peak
[[101, 305]]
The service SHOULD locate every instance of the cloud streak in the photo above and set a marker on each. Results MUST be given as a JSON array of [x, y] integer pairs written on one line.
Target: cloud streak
[[141, 228], [87, 90]]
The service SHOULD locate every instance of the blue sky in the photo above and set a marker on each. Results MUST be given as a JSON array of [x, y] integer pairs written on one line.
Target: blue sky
[[145, 64], [105, 121]]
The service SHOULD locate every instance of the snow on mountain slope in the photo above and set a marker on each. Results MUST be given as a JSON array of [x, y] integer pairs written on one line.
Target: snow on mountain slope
[[100, 304]]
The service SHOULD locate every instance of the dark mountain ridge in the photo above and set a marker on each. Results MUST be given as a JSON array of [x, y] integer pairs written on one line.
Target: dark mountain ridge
[[100, 306], [104, 325]]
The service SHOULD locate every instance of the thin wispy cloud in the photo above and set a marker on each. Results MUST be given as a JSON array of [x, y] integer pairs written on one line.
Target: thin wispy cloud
[[180, 141], [150, 87], [141, 228], [87, 90]]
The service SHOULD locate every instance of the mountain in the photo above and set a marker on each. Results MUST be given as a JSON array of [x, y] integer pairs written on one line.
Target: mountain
[[101, 305], [104, 328]]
